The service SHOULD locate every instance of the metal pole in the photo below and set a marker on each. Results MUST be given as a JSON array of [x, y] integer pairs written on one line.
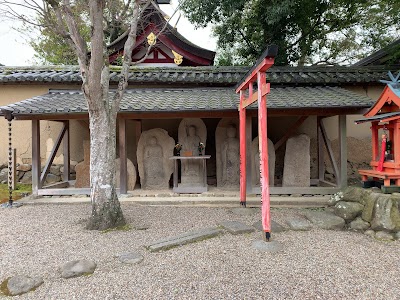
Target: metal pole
[[10, 165]]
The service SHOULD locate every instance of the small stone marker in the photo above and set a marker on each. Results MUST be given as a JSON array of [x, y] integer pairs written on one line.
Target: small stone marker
[[77, 268], [299, 224], [272, 246], [131, 258], [325, 220], [275, 227], [235, 227], [240, 211], [18, 285], [187, 238]]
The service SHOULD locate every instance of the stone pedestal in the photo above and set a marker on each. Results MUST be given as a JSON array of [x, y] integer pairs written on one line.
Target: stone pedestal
[[191, 132], [228, 153], [296, 172], [255, 163], [155, 147]]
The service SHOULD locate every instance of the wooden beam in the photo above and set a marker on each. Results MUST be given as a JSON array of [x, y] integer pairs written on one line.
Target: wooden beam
[[254, 97], [320, 145], [290, 132], [57, 185], [343, 151], [66, 153], [36, 185], [52, 155], [123, 174], [330, 151]]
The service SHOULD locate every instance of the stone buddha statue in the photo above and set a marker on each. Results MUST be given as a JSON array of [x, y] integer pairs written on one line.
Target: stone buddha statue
[[153, 164], [230, 156]]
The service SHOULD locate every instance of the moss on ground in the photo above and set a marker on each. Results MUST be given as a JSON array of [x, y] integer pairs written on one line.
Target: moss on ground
[[125, 227], [21, 191]]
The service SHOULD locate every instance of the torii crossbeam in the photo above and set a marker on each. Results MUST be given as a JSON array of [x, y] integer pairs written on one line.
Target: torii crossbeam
[[257, 74]]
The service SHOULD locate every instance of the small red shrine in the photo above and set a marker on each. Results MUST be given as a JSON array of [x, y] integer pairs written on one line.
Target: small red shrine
[[385, 118]]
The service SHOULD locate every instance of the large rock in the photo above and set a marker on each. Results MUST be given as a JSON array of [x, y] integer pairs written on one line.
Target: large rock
[[24, 167], [369, 204], [299, 224], [359, 224], [255, 162], [355, 194], [228, 153], [18, 285], [77, 268], [51, 178], [325, 220], [395, 213], [154, 150], [191, 132], [296, 172], [55, 169], [381, 219], [27, 179], [4, 175], [131, 258], [384, 236], [348, 210]]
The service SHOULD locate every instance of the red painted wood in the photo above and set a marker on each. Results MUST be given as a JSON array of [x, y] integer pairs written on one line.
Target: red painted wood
[[263, 147], [267, 63], [242, 119]]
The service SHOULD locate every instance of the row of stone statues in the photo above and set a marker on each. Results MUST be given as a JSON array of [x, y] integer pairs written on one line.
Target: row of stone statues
[[155, 147]]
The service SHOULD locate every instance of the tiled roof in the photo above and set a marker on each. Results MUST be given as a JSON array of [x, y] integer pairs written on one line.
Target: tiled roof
[[198, 99], [206, 76]]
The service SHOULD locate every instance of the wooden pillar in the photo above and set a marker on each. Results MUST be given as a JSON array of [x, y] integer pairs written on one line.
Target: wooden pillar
[[243, 157], [396, 141], [36, 166], [321, 158], [263, 147], [66, 153], [123, 157], [343, 151], [375, 141], [249, 167]]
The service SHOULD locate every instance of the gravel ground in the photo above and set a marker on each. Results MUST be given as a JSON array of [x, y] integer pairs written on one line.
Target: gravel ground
[[36, 240]]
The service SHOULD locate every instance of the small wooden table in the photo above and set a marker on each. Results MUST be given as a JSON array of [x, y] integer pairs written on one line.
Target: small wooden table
[[194, 189]]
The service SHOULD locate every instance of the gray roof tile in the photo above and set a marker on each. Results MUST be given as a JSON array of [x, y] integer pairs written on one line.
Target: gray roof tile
[[198, 99], [216, 76]]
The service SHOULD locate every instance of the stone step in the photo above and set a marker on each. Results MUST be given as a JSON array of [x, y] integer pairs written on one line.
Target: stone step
[[183, 239]]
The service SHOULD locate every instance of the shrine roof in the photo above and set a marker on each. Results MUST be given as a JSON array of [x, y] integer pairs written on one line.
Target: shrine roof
[[204, 76], [68, 102], [382, 56]]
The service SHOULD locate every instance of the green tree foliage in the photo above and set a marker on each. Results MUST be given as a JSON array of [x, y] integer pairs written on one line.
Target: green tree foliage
[[52, 48], [306, 31]]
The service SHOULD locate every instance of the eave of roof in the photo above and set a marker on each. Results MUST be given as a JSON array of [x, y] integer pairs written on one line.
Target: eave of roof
[[378, 57], [67, 102], [204, 76]]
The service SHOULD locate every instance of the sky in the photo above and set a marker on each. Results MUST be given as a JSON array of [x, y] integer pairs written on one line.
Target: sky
[[15, 50]]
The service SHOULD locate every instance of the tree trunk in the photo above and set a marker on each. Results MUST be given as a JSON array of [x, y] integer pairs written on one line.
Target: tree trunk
[[106, 210]]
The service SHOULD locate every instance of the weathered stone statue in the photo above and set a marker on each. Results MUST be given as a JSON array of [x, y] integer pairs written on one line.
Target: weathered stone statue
[[191, 132], [83, 171], [228, 154], [155, 147], [255, 162], [296, 168]]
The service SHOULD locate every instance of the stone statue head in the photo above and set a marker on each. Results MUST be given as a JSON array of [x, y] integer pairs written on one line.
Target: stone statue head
[[153, 141], [191, 130], [231, 131]]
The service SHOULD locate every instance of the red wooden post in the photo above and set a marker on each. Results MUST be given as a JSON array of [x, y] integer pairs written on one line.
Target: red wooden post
[[242, 119], [263, 147]]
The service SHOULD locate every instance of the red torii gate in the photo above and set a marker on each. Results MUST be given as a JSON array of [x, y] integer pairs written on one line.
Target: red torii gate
[[257, 75]]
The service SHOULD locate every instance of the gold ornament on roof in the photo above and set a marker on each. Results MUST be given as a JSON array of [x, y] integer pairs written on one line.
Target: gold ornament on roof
[[151, 39], [178, 59]]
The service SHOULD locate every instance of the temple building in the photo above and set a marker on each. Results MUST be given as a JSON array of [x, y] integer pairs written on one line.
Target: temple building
[[177, 96]]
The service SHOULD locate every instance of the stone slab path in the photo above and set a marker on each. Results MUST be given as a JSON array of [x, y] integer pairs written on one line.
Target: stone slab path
[[186, 238], [235, 227]]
